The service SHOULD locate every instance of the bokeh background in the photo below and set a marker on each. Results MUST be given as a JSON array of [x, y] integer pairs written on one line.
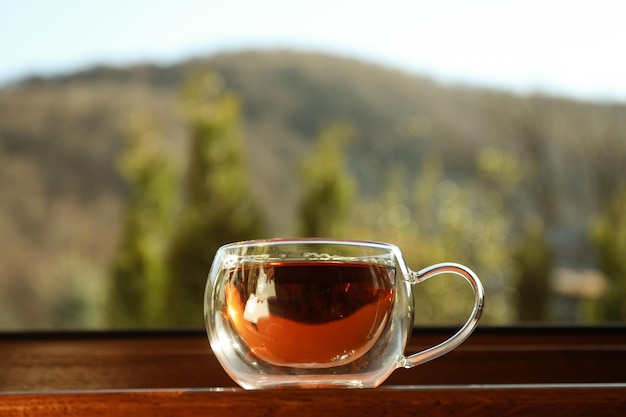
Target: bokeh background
[[137, 137]]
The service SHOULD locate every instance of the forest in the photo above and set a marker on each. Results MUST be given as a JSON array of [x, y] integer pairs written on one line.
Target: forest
[[118, 184]]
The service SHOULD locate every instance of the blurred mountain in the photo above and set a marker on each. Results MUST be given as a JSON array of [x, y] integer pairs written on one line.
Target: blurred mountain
[[62, 196]]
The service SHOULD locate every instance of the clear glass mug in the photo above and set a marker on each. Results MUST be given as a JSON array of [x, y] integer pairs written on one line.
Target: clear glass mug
[[318, 312]]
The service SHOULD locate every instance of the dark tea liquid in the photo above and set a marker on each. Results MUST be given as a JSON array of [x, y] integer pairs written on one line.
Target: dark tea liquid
[[309, 313]]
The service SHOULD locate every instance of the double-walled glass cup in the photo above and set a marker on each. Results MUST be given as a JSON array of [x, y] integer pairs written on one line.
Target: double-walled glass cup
[[318, 312]]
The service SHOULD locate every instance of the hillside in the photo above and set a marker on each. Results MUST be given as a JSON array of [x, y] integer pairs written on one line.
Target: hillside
[[62, 197]]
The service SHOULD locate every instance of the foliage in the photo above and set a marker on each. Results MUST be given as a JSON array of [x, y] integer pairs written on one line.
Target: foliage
[[446, 172], [609, 236], [139, 276], [328, 190], [529, 250], [218, 207], [436, 219], [534, 258]]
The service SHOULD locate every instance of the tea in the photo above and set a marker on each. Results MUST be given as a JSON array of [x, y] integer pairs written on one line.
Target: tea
[[313, 314]]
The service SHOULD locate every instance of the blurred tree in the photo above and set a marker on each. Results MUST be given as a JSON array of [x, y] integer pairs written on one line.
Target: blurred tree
[[534, 258], [528, 182], [436, 219], [529, 251], [218, 206], [600, 138], [79, 303], [465, 222], [139, 277], [609, 236], [328, 190]]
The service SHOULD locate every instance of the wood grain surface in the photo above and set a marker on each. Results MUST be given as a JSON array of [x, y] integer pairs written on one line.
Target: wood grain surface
[[497, 401], [497, 371]]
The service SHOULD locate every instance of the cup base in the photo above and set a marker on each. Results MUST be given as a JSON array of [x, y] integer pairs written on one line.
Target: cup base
[[338, 381], [307, 385]]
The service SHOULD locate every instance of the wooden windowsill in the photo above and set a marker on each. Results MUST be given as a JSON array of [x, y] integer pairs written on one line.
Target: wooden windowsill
[[497, 371]]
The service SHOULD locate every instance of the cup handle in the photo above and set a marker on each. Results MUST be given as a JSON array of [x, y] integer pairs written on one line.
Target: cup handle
[[469, 326]]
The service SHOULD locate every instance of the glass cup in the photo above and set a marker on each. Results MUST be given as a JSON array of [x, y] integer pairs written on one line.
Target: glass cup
[[318, 312]]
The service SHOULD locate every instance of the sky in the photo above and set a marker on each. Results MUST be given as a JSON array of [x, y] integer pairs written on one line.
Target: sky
[[564, 47]]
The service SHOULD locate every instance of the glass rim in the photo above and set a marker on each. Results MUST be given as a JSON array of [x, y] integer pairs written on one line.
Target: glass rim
[[310, 240]]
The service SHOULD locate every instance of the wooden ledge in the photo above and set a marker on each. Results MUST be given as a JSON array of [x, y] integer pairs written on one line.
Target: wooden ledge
[[457, 401], [497, 371]]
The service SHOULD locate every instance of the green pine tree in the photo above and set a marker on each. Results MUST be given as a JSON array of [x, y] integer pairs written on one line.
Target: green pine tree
[[328, 189], [218, 205], [609, 237], [139, 276]]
